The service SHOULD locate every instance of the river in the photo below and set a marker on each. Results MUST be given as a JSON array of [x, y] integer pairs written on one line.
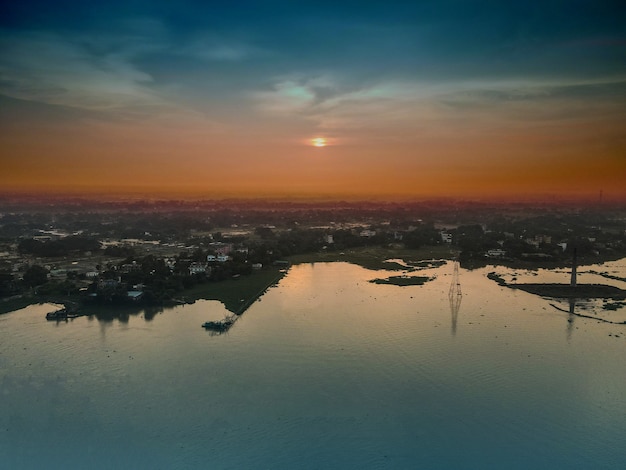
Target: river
[[326, 370]]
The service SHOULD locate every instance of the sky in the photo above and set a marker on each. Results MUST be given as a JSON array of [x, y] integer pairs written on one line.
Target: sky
[[420, 99]]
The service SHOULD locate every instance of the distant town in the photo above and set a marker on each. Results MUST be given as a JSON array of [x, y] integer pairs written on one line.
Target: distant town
[[153, 252]]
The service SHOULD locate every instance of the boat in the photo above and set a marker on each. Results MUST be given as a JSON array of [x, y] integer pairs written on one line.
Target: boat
[[218, 325], [62, 314]]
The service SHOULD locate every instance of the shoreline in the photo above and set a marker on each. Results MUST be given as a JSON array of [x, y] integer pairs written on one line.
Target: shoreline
[[238, 294]]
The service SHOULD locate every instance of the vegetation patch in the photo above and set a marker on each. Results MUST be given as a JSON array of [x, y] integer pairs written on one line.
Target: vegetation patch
[[496, 277], [403, 280], [374, 257], [580, 291], [613, 305], [17, 302], [236, 294]]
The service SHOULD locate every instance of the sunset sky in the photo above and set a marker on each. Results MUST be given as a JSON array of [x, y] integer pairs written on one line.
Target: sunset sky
[[365, 99]]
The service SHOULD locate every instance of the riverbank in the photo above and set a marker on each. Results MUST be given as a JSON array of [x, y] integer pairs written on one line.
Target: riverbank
[[566, 291], [236, 294], [534, 264], [18, 302]]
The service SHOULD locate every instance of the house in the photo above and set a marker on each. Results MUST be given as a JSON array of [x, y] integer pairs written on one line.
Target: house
[[445, 237], [495, 253], [367, 233], [197, 268], [221, 248], [257, 266], [134, 295], [222, 258]]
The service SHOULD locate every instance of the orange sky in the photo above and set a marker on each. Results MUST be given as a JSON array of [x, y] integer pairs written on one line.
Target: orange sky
[[417, 106], [582, 157]]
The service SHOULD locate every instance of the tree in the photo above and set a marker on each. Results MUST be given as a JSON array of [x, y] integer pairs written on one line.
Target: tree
[[35, 276]]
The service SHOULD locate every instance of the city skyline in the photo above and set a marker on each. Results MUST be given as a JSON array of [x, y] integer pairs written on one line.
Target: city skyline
[[314, 99]]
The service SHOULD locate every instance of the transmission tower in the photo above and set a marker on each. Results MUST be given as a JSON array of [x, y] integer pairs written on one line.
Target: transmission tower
[[455, 295]]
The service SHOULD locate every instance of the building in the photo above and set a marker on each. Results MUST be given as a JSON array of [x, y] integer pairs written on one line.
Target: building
[[221, 248], [134, 295], [198, 268]]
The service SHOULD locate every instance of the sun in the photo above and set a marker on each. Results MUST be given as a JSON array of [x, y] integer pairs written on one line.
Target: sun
[[319, 142]]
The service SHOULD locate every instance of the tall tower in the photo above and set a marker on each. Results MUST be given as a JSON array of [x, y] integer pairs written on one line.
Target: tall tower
[[574, 263]]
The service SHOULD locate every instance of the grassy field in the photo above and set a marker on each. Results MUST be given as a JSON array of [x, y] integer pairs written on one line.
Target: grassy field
[[17, 304], [236, 294], [374, 257]]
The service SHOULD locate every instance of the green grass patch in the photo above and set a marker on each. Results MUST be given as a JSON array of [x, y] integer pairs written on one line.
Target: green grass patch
[[496, 277], [613, 305], [13, 304], [236, 294]]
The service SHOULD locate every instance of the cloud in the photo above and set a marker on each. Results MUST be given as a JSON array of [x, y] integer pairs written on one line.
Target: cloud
[[52, 69], [287, 97]]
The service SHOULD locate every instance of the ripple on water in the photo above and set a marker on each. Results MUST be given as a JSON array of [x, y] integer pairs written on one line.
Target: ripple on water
[[328, 370]]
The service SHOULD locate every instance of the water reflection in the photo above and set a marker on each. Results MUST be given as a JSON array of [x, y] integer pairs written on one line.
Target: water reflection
[[570, 318], [455, 296], [337, 372]]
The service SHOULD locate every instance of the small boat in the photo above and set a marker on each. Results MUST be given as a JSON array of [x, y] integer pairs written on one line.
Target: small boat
[[62, 314], [218, 325]]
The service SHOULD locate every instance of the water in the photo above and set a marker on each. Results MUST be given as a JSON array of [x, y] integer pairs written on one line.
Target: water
[[327, 370]]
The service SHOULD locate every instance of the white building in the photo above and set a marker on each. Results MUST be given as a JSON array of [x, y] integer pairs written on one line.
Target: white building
[[197, 268]]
